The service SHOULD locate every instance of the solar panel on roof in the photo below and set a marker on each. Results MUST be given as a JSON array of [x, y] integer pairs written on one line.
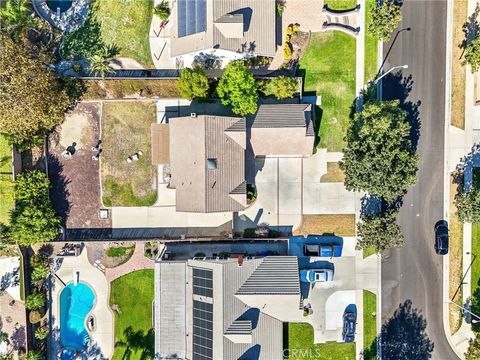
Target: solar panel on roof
[[203, 282], [191, 17], [202, 330]]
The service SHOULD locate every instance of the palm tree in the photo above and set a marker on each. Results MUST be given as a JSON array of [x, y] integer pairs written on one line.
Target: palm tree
[[35, 355], [16, 17], [98, 65]]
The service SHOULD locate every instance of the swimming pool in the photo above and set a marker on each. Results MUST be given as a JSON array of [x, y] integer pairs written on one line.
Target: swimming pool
[[76, 301]]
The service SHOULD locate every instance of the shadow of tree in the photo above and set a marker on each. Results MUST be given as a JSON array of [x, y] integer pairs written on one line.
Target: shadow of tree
[[403, 336], [59, 192], [137, 341]]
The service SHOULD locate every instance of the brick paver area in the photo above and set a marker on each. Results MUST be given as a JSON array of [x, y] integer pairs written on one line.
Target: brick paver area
[[13, 320], [138, 261], [76, 181]]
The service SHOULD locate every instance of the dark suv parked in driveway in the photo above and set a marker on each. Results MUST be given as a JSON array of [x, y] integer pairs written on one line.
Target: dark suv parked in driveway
[[349, 324], [441, 237]]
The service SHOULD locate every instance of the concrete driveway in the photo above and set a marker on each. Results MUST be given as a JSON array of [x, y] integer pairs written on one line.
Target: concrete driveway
[[287, 188]]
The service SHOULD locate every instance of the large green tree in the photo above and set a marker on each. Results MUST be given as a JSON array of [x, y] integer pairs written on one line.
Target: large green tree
[[237, 88], [379, 231], [473, 351], [16, 18], [379, 157], [33, 220], [472, 54], [385, 18], [281, 87], [193, 83], [32, 98]]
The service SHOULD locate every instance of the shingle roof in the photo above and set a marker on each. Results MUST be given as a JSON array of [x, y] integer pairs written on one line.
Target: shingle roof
[[258, 35], [193, 142], [282, 116]]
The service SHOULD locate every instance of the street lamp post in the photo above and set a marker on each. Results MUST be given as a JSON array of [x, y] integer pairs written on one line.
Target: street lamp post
[[389, 71]]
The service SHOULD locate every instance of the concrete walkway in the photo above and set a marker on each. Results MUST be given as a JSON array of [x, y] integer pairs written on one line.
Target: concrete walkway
[[160, 43], [138, 261]]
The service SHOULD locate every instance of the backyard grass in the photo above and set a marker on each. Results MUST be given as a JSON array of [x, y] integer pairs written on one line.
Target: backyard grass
[[338, 224], [458, 70], [328, 66], [120, 25], [6, 181], [371, 45], [130, 88], [334, 173], [133, 293], [298, 339], [369, 325], [455, 261], [125, 132], [368, 251], [341, 4]]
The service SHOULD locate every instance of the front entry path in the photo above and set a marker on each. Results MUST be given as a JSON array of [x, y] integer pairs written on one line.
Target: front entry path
[[138, 261]]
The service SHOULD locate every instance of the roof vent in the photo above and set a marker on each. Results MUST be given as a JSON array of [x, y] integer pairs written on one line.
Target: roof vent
[[193, 115], [211, 164]]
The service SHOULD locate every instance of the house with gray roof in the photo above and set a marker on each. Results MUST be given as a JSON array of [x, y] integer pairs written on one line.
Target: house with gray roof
[[224, 28], [224, 309]]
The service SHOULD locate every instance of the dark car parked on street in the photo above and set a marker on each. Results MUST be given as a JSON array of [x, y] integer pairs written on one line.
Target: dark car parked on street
[[349, 324], [441, 237]]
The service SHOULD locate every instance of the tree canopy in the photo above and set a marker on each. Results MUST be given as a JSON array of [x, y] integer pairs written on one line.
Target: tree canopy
[[472, 54], [473, 352], [379, 232], [385, 19], [193, 83], [33, 220], [379, 157], [32, 97], [237, 88], [468, 205], [281, 87]]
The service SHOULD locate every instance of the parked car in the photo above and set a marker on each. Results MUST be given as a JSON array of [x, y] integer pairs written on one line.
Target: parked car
[[317, 275], [349, 324], [441, 237], [323, 250]]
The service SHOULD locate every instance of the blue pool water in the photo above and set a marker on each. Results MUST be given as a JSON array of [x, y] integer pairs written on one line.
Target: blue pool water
[[75, 303]]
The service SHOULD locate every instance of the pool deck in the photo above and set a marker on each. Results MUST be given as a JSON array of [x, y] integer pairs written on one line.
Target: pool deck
[[102, 338]]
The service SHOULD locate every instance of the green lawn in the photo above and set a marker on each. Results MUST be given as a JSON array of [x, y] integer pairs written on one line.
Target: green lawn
[[298, 339], [133, 293], [475, 281], [328, 65], [368, 251], [371, 45], [123, 25], [341, 4], [369, 325], [125, 132], [6, 183]]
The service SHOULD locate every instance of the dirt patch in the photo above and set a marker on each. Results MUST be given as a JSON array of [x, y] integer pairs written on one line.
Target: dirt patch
[[130, 89], [338, 224], [76, 129]]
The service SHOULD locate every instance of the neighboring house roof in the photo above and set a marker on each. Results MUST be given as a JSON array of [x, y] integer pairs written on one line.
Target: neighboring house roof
[[283, 130], [236, 25], [207, 163], [231, 329], [160, 144]]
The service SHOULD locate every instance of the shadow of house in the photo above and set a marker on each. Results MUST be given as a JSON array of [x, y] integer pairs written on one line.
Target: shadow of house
[[403, 336], [467, 168]]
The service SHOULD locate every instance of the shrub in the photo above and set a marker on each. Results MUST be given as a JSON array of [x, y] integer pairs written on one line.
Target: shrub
[[41, 333], [472, 54], [287, 51], [281, 87], [35, 301], [288, 38], [296, 27], [385, 18], [35, 355], [162, 10], [279, 7], [290, 29], [249, 233], [77, 68], [193, 83]]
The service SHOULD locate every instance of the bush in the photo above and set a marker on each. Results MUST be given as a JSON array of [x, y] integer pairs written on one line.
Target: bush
[[162, 10], [77, 68], [280, 6], [385, 18], [35, 316], [249, 233], [288, 38], [290, 29], [472, 54], [35, 301], [287, 51], [41, 333], [193, 83], [35, 355], [281, 87]]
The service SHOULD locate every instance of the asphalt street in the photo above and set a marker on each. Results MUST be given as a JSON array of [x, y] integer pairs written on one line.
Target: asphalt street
[[414, 273]]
